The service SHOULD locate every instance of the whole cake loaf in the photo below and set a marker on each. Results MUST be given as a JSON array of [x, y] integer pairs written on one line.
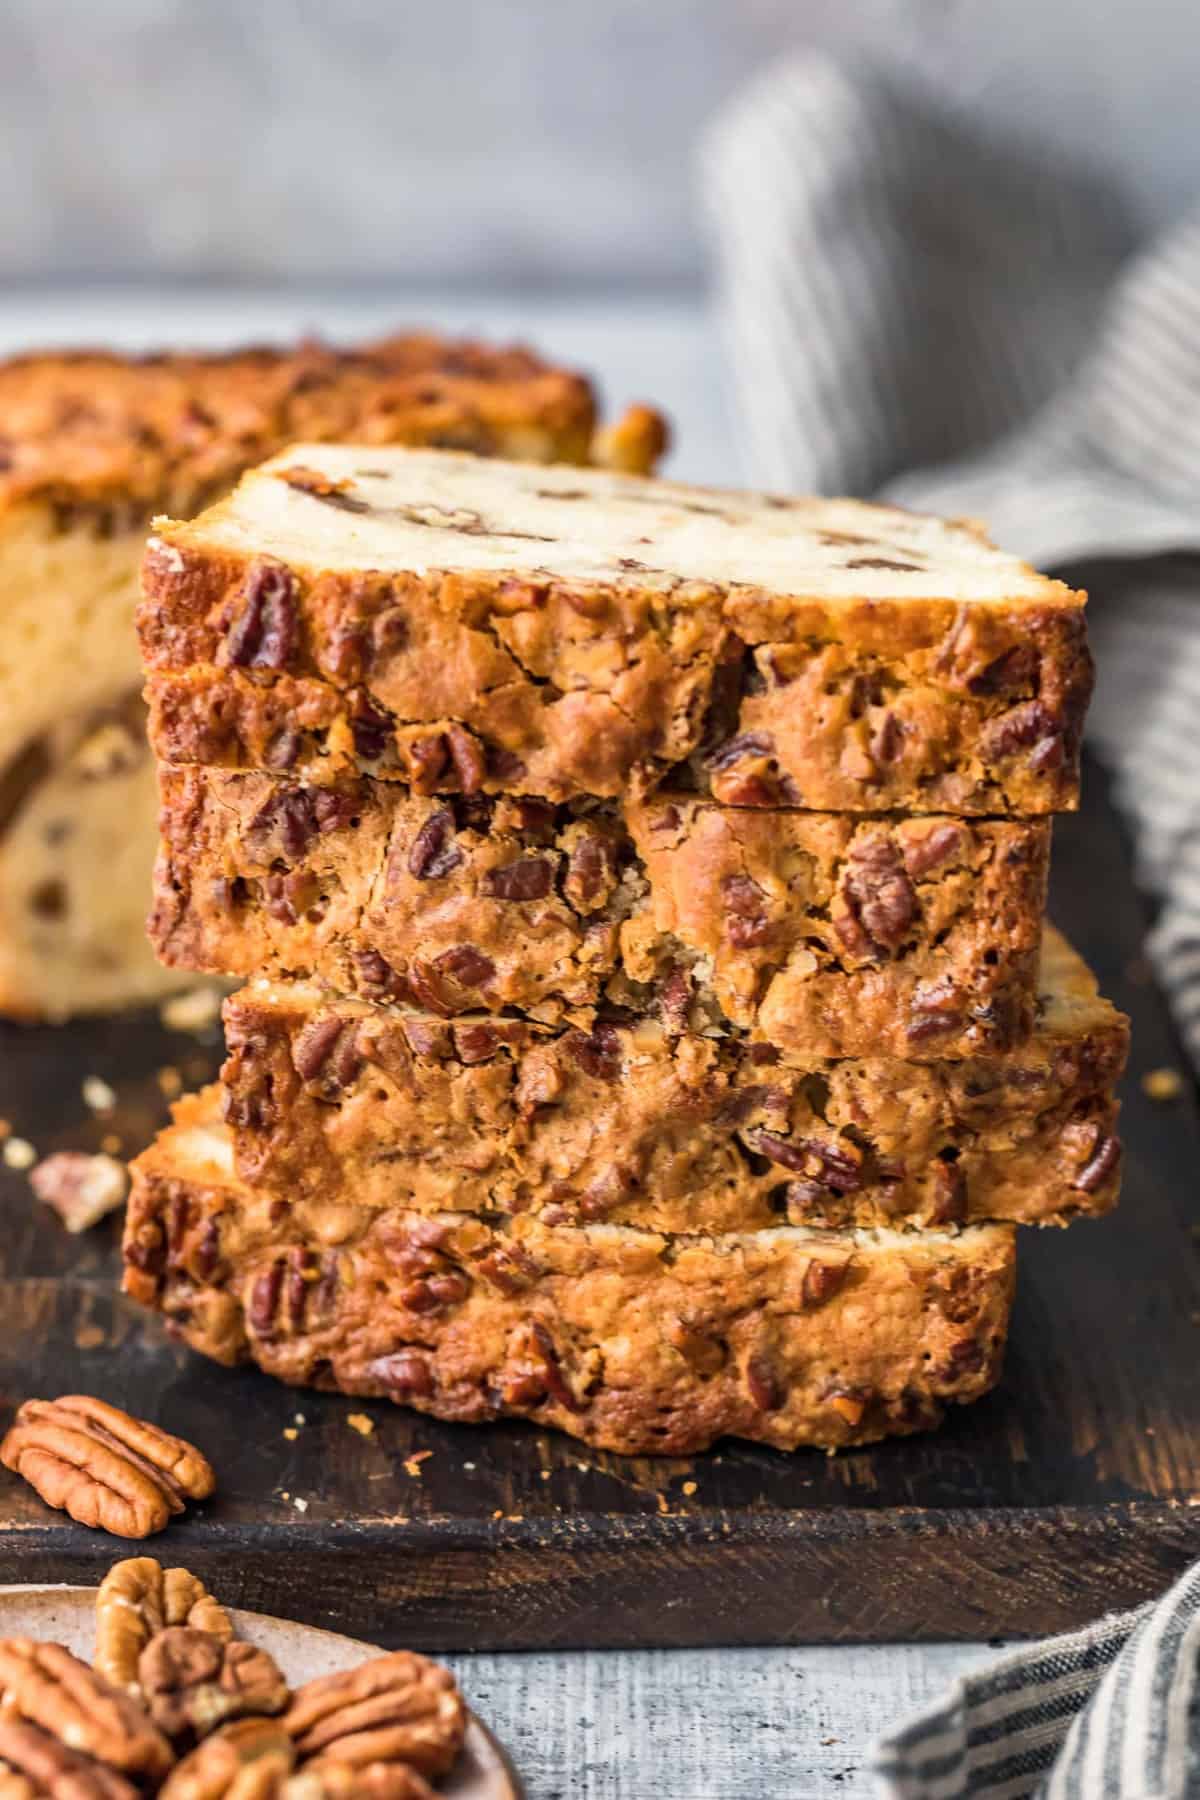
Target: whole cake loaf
[[91, 446], [558, 633], [630, 1339]]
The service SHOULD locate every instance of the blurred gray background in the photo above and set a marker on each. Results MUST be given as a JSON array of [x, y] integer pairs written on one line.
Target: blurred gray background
[[499, 144]]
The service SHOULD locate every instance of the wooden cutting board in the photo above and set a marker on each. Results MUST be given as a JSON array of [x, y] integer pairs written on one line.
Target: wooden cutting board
[[1073, 1489]]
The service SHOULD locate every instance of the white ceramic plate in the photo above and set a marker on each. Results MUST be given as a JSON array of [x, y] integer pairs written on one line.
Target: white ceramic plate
[[67, 1615]]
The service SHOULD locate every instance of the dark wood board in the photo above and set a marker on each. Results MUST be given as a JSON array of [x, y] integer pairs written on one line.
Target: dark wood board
[[1073, 1489]]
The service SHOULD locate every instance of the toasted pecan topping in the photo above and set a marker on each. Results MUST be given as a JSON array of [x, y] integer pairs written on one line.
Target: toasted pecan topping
[[137, 1599], [400, 1708], [45, 1685], [107, 1469]]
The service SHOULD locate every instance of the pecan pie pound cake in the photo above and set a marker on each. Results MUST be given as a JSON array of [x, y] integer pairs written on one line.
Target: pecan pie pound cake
[[632, 1340], [495, 628], [91, 446], [833, 934], [651, 1030], [631, 1124]]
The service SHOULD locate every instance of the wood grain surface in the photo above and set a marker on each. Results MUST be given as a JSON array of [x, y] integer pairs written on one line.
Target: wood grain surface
[[1073, 1489]]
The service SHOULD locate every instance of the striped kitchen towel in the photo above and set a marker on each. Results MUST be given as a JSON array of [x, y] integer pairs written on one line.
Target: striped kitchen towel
[[914, 310], [1110, 1713]]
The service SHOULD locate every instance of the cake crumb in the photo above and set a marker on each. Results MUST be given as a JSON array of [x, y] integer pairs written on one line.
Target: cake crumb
[[1162, 1084], [290, 1433], [689, 1488], [545, 1474], [469, 1467], [81, 1189], [195, 1010], [362, 1423], [19, 1153], [170, 1081], [498, 1514], [98, 1096], [661, 1500], [412, 1464], [300, 1505]]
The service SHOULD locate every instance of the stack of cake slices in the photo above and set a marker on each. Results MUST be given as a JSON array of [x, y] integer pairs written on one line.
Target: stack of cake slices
[[91, 446], [651, 1026]]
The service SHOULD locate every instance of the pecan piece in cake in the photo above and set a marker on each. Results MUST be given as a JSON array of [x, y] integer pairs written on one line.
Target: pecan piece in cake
[[107, 1469], [137, 1599], [400, 1708], [45, 1685]]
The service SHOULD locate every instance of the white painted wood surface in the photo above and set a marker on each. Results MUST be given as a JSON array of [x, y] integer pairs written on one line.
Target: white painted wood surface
[[654, 1725]]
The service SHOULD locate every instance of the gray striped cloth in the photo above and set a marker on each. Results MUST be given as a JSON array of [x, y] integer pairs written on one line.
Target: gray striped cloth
[[916, 311], [1110, 1713]]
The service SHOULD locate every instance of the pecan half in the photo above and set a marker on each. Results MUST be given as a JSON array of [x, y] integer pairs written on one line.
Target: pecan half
[[137, 1599], [249, 1760], [45, 1685], [324, 1780], [34, 1763], [107, 1469], [400, 1708], [191, 1682]]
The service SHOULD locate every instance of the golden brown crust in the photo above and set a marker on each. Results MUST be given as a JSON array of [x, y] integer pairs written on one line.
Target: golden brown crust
[[828, 934], [89, 430], [625, 1124], [562, 687], [629, 1340]]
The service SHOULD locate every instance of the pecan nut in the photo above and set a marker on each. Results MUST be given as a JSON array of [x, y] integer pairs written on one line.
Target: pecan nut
[[400, 1708], [248, 1760], [137, 1599], [877, 901], [339, 1781], [191, 1682], [45, 1685], [34, 1763], [106, 1469]]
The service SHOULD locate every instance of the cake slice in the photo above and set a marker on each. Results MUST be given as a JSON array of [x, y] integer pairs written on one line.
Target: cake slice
[[469, 627], [91, 446], [621, 1123], [629, 1340], [831, 934]]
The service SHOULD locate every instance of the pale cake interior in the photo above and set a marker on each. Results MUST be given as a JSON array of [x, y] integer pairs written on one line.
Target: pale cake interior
[[397, 510]]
